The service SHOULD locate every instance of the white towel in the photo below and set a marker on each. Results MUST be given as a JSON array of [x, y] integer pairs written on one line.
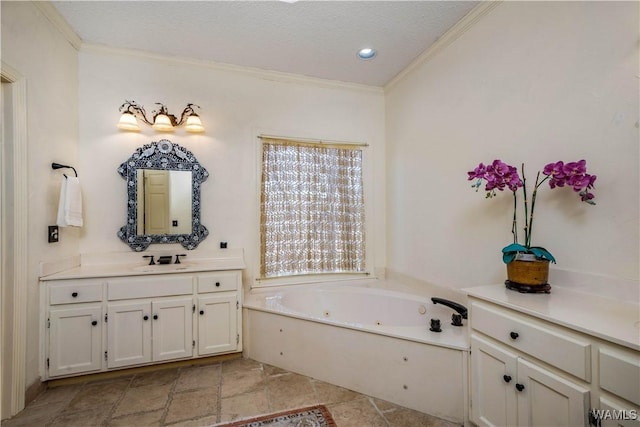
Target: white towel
[[70, 206]]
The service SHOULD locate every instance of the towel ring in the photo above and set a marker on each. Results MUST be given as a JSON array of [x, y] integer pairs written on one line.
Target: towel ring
[[55, 166]]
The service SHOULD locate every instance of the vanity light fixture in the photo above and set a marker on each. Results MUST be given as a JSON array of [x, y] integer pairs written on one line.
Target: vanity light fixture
[[161, 120]]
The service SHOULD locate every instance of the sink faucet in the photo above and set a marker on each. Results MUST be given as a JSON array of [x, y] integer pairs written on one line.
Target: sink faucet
[[461, 309], [149, 256], [178, 258]]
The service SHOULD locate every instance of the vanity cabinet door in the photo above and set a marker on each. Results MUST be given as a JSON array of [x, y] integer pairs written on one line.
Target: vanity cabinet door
[[547, 399], [172, 328], [75, 340], [508, 390], [493, 392], [128, 333], [142, 331], [217, 324]]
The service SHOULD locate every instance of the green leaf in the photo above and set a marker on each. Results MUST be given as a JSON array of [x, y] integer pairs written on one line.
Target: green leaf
[[509, 252], [508, 257], [542, 253], [514, 247]]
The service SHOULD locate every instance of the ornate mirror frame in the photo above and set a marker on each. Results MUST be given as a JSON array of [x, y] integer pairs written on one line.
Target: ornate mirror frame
[[162, 155]]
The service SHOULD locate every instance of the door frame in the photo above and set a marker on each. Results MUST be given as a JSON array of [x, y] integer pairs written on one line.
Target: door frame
[[17, 253]]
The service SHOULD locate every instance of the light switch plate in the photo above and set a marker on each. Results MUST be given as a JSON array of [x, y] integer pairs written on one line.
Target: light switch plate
[[54, 234]]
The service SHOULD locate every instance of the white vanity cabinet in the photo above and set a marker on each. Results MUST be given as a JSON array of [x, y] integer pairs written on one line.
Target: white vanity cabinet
[[146, 331], [530, 370], [74, 327], [100, 324], [149, 319], [510, 387], [619, 379], [218, 312]]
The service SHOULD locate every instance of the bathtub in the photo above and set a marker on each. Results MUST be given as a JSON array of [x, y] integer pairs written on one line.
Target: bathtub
[[364, 336]]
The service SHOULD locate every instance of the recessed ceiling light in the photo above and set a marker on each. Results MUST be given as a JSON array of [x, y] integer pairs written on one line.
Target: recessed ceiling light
[[366, 53]]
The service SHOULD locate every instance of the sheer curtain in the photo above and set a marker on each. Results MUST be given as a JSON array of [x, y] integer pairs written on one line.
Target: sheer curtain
[[312, 209]]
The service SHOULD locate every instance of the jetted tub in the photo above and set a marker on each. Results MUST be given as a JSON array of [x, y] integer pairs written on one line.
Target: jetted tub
[[362, 336]]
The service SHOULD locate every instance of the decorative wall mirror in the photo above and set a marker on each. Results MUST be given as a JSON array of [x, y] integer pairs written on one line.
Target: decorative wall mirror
[[163, 196]]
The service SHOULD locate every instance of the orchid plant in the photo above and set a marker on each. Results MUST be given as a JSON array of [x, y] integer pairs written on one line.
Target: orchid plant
[[500, 176]]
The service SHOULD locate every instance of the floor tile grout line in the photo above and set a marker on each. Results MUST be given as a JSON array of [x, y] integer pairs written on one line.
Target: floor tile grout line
[[170, 396], [107, 419], [62, 407], [375, 407], [219, 402]]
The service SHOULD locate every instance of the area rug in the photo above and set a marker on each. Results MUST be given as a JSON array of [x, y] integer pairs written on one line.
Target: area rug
[[313, 416]]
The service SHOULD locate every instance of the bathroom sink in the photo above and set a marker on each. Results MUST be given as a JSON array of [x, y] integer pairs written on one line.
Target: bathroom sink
[[162, 268]]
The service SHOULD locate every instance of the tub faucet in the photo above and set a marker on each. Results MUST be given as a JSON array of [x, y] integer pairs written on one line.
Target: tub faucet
[[454, 305]]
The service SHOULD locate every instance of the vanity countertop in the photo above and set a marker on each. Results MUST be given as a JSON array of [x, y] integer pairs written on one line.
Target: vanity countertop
[[606, 318], [97, 270]]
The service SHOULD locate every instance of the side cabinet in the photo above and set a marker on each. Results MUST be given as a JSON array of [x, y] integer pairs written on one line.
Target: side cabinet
[[526, 371], [96, 325], [515, 375]]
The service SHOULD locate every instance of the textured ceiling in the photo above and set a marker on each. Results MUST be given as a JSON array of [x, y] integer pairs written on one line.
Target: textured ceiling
[[311, 38]]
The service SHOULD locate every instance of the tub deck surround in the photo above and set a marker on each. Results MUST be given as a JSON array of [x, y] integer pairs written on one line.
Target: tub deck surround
[[362, 336], [133, 264], [364, 305], [609, 319]]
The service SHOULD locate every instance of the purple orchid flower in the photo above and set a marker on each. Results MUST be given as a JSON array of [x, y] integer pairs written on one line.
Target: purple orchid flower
[[499, 175]]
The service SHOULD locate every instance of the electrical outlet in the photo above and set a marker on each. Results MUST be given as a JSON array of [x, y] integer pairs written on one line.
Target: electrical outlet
[[54, 234]]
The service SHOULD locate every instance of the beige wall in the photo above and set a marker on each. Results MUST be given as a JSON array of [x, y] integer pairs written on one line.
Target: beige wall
[[36, 50], [236, 105], [531, 82]]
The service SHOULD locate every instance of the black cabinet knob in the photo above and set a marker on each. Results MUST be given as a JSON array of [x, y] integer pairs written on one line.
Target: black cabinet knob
[[514, 335], [145, 317], [218, 284], [456, 319], [74, 294], [201, 312], [94, 323], [506, 378], [155, 317], [519, 387]]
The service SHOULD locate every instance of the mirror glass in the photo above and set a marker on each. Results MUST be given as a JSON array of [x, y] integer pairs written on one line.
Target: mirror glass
[[163, 196], [164, 202]]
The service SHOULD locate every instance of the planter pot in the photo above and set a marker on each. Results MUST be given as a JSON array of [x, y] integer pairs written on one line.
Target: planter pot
[[528, 274]]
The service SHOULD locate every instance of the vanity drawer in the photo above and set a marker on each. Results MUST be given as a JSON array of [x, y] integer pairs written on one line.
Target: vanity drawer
[[74, 292], [620, 373], [218, 282], [541, 340], [149, 287]]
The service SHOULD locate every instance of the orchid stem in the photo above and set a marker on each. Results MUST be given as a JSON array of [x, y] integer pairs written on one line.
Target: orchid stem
[[533, 205], [526, 209], [514, 226]]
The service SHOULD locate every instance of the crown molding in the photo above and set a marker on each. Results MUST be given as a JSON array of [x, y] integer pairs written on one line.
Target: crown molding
[[461, 27], [277, 76], [52, 14]]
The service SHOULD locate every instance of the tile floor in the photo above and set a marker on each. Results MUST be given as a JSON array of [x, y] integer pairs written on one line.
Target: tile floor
[[205, 395]]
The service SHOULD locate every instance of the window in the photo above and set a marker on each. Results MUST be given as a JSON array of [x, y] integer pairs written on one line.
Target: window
[[311, 208]]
